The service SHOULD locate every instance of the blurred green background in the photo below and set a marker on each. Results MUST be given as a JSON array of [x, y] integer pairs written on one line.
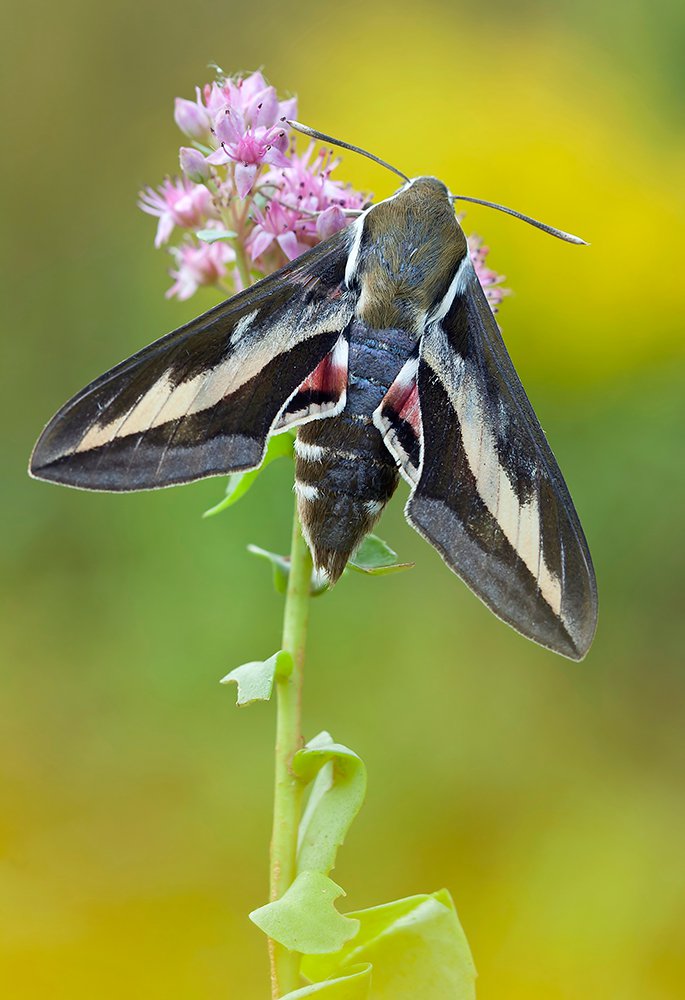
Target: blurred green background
[[547, 796]]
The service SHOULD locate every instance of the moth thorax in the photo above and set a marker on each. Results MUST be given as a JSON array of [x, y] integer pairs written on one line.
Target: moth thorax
[[406, 263]]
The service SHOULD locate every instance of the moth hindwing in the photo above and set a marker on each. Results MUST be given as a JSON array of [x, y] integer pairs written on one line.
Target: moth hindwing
[[380, 344]]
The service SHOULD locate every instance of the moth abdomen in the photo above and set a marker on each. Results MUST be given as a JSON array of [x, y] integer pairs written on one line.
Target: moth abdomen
[[341, 487], [344, 474]]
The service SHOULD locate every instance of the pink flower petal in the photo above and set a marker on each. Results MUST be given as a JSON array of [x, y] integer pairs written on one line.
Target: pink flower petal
[[288, 109], [252, 84], [289, 245], [218, 157], [228, 126], [215, 99], [151, 202], [238, 119], [183, 288], [275, 157], [261, 242], [266, 111], [245, 174], [278, 137], [165, 228]]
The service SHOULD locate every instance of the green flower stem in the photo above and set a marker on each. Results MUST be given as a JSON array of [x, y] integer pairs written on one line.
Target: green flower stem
[[241, 261], [234, 221], [288, 789], [238, 221]]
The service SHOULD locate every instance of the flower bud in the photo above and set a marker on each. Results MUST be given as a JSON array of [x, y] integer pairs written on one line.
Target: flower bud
[[330, 221], [193, 164], [191, 118]]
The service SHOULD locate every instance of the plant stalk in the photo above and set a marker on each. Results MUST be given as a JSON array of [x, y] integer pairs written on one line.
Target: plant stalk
[[288, 789], [241, 258], [238, 223]]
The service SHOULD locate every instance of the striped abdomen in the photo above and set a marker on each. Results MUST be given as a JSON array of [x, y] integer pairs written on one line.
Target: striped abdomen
[[344, 473]]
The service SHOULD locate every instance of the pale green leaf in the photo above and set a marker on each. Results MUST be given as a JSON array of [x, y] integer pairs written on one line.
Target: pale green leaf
[[237, 485], [416, 946], [281, 572], [305, 919], [375, 557], [255, 680], [352, 985], [214, 235], [279, 564], [336, 796]]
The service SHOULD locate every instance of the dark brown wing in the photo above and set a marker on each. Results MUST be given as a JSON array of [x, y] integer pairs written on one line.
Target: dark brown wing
[[490, 496], [203, 400]]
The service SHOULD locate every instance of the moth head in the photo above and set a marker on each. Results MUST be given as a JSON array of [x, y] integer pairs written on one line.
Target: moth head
[[427, 197], [430, 187]]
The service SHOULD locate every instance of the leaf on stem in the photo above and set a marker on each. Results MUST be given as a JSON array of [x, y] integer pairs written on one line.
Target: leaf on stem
[[279, 446], [305, 919], [279, 564], [213, 235], [255, 680], [336, 796], [281, 572], [416, 946], [376, 558], [354, 984]]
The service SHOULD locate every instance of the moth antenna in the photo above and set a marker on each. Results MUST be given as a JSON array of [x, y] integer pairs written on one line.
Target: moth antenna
[[322, 137], [559, 233], [349, 213]]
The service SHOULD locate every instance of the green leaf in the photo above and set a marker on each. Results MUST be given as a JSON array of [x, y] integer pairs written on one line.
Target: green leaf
[[352, 985], [256, 680], [376, 558], [279, 564], [336, 797], [279, 446], [203, 149], [305, 919], [416, 946], [281, 572], [214, 235]]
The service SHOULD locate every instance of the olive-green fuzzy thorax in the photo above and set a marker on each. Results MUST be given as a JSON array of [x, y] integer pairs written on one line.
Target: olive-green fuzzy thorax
[[410, 249]]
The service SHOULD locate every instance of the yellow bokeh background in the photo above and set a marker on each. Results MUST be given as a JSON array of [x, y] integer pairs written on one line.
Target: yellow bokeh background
[[547, 796]]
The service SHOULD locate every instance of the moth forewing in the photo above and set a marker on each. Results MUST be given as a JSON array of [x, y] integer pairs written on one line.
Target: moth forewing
[[203, 400], [490, 496]]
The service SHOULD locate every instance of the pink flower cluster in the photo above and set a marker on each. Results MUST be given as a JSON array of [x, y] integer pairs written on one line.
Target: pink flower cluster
[[246, 201], [489, 279]]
